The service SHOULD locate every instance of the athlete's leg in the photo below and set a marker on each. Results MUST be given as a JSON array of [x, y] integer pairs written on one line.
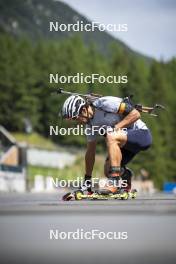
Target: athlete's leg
[[132, 142], [114, 142], [130, 145], [112, 168], [127, 156], [137, 141]]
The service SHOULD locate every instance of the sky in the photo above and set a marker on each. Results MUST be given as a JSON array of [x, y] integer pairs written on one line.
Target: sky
[[151, 23]]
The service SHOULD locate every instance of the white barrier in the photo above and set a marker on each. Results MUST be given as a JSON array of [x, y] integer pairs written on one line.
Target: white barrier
[[39, 184], [53, 159], [12, 181], [49, 184]]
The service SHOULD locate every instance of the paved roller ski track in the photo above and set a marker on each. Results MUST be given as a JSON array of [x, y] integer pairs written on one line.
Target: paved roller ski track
[[26, 221]]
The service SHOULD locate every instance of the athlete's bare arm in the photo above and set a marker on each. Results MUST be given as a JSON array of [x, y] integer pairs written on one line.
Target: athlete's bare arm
[[132, 117], [90, 157]]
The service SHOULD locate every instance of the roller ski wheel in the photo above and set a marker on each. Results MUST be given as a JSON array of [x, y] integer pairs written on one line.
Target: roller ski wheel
[[124, 195], [68, 196], [79, 195], [133, 194]]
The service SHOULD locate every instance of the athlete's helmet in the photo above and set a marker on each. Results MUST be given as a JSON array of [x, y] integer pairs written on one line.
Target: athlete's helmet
[[72, 106]]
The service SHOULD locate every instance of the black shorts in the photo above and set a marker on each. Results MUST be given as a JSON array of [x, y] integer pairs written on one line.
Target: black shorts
[[137, 140]]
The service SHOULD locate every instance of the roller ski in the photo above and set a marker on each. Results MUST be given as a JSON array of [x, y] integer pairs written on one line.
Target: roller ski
[[86, 193], [100, 195]]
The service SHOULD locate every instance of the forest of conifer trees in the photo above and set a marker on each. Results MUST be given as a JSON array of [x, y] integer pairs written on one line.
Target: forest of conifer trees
[[25, 91]]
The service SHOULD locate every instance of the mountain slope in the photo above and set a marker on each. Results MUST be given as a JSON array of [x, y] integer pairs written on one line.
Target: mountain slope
[[31, 18]]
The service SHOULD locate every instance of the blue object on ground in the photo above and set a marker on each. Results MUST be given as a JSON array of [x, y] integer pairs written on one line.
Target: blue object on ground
[[169, 187]]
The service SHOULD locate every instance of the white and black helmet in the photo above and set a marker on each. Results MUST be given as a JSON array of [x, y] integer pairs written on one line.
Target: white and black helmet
[[72, 106]]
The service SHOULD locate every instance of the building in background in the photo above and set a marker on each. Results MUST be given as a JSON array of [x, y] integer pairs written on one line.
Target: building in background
[[13, 163]]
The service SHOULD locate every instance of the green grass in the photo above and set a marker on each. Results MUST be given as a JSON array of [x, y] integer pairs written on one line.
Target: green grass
[[67, 173], [35, 140]]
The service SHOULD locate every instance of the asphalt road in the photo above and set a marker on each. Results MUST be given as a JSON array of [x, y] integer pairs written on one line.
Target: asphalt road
[[28, 222]]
